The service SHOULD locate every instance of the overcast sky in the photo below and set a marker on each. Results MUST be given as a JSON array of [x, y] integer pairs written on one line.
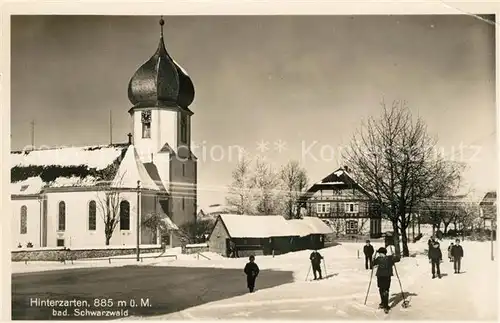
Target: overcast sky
[[305, 80]]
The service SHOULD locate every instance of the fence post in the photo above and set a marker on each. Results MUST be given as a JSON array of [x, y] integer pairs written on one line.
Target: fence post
[[358, 253]]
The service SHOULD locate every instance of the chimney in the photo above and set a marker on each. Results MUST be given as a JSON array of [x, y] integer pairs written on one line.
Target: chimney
[[346, 168], [129, 138]]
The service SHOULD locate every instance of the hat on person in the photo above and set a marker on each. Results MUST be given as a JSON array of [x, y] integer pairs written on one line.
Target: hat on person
[[382, 250]]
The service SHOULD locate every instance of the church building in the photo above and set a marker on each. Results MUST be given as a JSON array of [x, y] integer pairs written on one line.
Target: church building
[[70, 196]]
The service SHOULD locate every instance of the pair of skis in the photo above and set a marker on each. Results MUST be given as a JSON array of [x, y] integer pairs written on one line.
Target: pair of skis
[[405, 304], [310, 266]]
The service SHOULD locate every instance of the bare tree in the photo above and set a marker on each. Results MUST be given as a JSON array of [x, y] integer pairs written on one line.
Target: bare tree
[[240, 190], [338, 226], [395, 160], [265, 181], [294, 181], [195, 231], [109, 207]]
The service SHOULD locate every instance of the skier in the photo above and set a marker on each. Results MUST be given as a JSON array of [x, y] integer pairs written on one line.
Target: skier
[[435, 257], [252, 271], [368, 251], [316, 258], [450, 247], [457, 253], [384, 273]]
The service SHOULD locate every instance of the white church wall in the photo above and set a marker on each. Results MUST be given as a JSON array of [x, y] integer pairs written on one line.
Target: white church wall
[[77, 233], [33, 223], [167, 128]]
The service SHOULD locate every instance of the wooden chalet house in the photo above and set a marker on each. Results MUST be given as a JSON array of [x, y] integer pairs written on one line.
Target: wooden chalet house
[[488, 210], [341, 202]]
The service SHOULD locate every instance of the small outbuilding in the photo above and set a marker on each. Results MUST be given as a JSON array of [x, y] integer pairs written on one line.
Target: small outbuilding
[[311, 231], [237, 235]]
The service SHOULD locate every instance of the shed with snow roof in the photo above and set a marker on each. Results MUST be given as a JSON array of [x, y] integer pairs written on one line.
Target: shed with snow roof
[[312, 233], [242, 235]]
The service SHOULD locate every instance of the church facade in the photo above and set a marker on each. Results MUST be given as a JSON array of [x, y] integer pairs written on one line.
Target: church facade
[[67, 196]]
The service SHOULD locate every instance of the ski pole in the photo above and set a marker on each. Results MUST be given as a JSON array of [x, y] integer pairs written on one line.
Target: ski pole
[[401, 286], [369, 284], [324, 265], [308, 272]]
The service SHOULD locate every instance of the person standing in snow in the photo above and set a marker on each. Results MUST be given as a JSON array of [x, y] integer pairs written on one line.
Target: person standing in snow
[[252, 271], [384, 264], [457, 253], [316, 258], [435, 257], [368, 251], [450, 247]]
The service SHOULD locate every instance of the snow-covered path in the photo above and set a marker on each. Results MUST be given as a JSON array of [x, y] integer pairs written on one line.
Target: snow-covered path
[[468, 296]]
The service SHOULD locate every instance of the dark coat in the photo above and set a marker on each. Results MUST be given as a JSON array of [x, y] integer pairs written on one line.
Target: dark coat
[[457, 251], [251, 269], [384, 265], [315, 258], [435, 251], [368, 250]]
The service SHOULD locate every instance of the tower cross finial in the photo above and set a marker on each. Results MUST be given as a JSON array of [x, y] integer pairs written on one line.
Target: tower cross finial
[[162, 22]]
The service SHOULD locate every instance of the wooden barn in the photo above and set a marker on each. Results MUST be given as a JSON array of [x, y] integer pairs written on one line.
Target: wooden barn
[[236, 235], [311, 231]]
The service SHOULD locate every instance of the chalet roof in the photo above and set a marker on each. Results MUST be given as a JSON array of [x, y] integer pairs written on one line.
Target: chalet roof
[[337, 180], [310, 225], [255, 226], [490, 198]]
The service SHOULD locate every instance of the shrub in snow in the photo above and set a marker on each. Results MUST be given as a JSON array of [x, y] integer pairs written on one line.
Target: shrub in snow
[[29, 245]]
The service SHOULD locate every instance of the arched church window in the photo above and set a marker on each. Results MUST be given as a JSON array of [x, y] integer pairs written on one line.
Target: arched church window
[[92, 216], [183, 128], [124, 215], [24, 219], [62, 216], [146, 123]]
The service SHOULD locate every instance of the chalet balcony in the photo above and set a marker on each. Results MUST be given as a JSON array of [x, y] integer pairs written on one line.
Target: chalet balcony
[[340, 215], [337, 198]]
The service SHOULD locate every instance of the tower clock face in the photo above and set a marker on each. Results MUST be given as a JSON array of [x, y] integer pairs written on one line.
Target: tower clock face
[[146, 116]]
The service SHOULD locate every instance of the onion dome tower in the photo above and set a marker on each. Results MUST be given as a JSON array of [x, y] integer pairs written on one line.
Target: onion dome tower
[[161, 92], [161, 81]]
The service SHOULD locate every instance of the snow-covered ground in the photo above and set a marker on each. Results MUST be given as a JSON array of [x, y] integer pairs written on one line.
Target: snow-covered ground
[[468, 296], [471, 295]]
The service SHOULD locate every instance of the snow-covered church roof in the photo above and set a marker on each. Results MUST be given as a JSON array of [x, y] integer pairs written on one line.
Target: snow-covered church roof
[[88, 166], [131, 171]]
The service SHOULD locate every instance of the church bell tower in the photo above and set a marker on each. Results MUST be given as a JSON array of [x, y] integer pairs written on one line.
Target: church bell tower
[[161, 92]]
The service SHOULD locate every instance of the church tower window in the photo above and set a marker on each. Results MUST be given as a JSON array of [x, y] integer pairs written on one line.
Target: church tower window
[[124, 215], [24, 219], [146, 123], [62, 216], [183, 128]]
